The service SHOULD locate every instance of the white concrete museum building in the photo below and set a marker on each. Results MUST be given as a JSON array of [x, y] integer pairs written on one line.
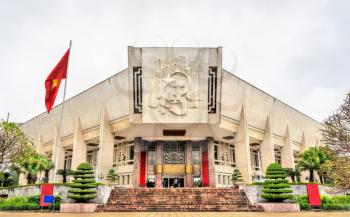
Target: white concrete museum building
[[174, 113]]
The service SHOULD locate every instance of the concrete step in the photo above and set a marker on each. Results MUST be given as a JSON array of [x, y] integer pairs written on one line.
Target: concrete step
[[178, 199]]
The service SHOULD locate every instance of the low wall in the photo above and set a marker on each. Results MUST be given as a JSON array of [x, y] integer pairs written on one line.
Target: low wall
[[253, 192], [103, 192]]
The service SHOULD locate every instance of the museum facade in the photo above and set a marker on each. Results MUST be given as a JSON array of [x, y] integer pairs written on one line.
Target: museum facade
[[174, 117]]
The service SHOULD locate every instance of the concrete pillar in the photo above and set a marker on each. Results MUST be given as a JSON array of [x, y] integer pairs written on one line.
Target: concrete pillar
[[22, 180], [242, 149], [79, 146], [189, 165], [303, 147], [137, 162], [211, 162], [106, 146], [57, 147], [158, 169], [39, 144], [303, 143], [39, 150], [267, 147], [287, 152]]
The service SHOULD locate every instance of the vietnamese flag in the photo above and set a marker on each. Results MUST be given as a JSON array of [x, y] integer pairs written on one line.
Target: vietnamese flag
[[53, 81]]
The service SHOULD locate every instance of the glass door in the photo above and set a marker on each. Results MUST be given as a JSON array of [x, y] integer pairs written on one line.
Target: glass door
[[173, 181]]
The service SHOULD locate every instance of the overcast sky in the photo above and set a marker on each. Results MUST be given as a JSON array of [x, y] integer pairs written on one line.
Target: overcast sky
[[297, 51]]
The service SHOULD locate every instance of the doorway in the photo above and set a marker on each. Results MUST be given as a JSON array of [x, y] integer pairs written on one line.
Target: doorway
[[173, 182]]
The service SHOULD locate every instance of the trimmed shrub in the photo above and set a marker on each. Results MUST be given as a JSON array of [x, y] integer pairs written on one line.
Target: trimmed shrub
[[26, 203], [336, 202], [112, 176], [328, 203], [276, 186], [237, 176], [303, 201], [84, 186]]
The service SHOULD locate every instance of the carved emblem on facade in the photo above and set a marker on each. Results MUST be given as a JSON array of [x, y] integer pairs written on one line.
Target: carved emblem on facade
[[174, 157], [174, 85]]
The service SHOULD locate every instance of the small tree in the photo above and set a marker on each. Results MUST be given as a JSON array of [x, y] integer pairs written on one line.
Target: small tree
[[13, 144], [325, 171], [294, 174], [311, 160], [64, 173], [6, 179], [112, 176], [341, 173], [83, 187], [276, 186], [32, 164], [237, 176], [336, 133], [46, 165]]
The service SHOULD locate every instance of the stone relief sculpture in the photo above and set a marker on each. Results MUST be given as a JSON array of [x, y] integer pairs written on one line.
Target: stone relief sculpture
[[174, 157], [174, 85]]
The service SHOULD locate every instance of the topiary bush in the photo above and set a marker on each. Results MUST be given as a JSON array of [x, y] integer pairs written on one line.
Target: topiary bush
[[237, 176], [84, 185], [112, 176], [276, 187]]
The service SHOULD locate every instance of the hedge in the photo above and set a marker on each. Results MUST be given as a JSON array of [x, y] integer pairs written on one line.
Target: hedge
[[31, 185], [328, 203], [336, 202], [279, 191], [39, 184], [26, 203], [303, 201]]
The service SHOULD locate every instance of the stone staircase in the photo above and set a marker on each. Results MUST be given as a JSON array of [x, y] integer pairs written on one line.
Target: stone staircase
[[178, 199]]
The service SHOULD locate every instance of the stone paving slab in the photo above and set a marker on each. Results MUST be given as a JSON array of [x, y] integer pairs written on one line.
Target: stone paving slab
[[177, 214]]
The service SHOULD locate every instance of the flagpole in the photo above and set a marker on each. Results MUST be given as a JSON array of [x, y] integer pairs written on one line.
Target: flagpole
[[60, 127]]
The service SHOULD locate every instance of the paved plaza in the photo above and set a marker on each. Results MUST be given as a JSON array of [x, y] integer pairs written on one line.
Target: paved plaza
[[177, 214]]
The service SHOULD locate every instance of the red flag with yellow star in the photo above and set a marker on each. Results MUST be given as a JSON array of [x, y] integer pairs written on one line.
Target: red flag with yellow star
[[53, 81]]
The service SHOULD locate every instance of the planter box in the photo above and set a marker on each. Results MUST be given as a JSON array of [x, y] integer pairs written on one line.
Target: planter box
[[280, 207], [78, 207]]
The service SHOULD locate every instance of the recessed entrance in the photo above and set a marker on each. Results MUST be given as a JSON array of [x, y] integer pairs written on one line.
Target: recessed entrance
[[173, 182]]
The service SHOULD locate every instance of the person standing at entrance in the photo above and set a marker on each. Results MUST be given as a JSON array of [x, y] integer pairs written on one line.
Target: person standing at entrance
[[176, 182]]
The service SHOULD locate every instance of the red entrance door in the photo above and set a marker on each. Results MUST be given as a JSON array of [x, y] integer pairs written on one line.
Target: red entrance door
[[143, 169], [205, 169]]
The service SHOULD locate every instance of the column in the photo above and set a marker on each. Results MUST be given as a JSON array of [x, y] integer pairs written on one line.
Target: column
[[158, 168], [39, 150], [39, 144], [22, 179], [106, 147], [267, 147], [242, 149], [57, 147], [137, 159], [211, 162], [79, 146], [303, 174], [287, 152], [189, 165], [303, 143]]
